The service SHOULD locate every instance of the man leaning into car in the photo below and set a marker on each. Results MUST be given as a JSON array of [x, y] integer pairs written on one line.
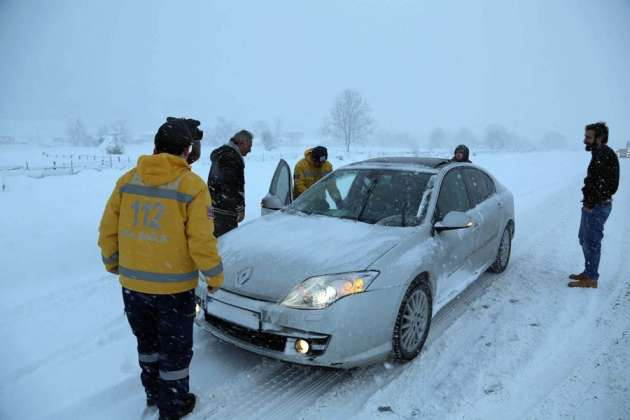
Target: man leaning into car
[[313, 167], [156, 233]]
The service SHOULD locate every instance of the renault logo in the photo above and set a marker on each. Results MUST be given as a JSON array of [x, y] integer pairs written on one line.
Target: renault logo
[[244, 276]]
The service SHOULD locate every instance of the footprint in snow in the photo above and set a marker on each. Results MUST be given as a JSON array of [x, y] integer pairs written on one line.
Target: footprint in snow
[[493, 389]]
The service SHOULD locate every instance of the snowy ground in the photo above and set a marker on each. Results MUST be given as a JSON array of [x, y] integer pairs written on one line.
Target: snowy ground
[[516, 345]]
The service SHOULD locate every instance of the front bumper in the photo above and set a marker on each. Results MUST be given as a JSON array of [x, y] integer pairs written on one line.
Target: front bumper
[[337, 336]]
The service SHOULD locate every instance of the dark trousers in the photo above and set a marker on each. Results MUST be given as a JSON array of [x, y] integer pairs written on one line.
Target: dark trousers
[[163, 325], [591, 235], [223, 223]]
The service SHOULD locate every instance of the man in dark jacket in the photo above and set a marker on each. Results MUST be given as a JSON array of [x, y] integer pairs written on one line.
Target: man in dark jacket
[[226, 182], [601, 182], [461, 154]]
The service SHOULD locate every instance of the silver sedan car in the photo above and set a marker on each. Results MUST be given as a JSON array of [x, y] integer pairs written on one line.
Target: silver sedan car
[[353, 270]]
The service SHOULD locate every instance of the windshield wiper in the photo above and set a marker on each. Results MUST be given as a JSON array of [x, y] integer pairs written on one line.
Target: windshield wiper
[[367, 197], [403, 213]]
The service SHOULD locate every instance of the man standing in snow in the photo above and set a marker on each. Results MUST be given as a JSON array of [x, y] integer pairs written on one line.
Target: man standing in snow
[[226, 182], [601, 182], [156, 233]]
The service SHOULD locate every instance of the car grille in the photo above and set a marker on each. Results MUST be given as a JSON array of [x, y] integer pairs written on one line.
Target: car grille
[[260, 339], [265, 340]]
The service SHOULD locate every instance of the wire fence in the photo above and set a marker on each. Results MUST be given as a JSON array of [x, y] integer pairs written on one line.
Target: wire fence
[[59, 164]]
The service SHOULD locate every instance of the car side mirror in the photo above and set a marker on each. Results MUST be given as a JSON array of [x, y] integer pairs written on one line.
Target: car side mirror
[[271, 203], [454, 220]]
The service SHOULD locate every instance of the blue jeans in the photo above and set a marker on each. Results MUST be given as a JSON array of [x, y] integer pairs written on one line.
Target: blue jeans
[[590, 236]]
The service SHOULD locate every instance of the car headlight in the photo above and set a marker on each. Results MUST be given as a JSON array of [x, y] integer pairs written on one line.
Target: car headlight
[[321, 291]]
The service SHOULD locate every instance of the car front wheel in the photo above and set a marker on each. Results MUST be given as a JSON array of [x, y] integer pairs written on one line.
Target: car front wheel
[[413, 321]]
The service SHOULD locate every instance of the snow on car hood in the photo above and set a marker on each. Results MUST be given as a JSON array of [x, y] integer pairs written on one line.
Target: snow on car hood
[[265, 258]]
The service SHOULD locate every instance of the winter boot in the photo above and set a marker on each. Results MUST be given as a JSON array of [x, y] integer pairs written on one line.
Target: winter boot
[[188, 405], [580, 276], [584, 282], [151, 400]]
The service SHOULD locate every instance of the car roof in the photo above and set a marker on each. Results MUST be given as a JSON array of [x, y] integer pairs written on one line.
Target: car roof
[[402, 162]]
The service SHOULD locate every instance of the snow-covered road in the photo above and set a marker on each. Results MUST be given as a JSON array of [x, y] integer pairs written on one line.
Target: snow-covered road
[[515, 345]]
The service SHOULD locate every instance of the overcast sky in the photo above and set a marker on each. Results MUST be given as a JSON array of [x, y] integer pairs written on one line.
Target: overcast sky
[[529, 65]]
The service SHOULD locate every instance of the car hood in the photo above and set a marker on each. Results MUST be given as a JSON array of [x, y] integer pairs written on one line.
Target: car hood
[[266, 258]]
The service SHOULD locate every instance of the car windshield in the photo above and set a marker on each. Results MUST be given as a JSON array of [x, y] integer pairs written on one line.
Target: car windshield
[[376, 196]]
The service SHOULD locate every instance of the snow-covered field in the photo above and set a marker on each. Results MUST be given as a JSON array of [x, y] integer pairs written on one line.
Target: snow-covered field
[[516, 345]]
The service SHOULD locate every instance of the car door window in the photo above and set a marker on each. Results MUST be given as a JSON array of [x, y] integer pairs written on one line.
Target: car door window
[[480, 186], [281, 182], [489, 183], [453, 195]]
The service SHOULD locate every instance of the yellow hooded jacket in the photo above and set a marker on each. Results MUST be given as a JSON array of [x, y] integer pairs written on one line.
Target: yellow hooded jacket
[[156, 230], [306, 173]]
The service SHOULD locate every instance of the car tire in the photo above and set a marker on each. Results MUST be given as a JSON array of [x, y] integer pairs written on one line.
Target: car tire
[[503, 254], [413, 321]]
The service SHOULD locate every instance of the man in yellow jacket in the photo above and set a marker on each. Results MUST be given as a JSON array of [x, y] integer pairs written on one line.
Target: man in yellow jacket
[[156, 234], [312, 168]]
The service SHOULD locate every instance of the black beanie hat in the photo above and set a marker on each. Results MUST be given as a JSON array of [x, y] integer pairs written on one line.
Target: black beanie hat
[[463, 149], [176, 134], [319, 154]]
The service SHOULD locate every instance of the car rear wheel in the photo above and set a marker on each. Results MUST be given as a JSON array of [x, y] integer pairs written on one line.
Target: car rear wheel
[[503, 255], [413, 321]]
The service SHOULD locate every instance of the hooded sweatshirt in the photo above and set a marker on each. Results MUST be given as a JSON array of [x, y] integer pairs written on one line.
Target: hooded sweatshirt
[[306, 173], [156, 230]]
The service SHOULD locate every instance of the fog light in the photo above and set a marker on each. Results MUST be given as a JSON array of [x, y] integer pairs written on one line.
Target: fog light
[[302, 346]]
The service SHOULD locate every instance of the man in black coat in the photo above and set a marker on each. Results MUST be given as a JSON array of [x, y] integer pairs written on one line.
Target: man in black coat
[[226, 182], [601, 182]]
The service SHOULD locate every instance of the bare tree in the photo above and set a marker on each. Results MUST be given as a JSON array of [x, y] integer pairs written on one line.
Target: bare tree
[[262, 130], [120, 129], [78, 135], [350, 118], [498, 137], [438, 138], [222, 131], [465, 136], [553, 140]]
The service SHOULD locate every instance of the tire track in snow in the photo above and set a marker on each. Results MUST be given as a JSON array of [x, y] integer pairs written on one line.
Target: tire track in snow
[[51, 308]]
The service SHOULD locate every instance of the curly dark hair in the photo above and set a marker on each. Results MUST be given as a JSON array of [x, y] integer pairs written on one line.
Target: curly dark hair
[[601, 130]]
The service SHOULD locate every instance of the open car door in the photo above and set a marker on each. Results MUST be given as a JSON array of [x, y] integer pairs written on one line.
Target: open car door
[[280, 190]]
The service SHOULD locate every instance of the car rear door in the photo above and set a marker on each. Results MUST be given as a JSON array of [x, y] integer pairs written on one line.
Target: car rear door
[[280, 192], [487, 211]]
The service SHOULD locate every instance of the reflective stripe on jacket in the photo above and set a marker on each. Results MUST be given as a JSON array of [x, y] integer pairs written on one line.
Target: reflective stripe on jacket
[[156, 230]]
